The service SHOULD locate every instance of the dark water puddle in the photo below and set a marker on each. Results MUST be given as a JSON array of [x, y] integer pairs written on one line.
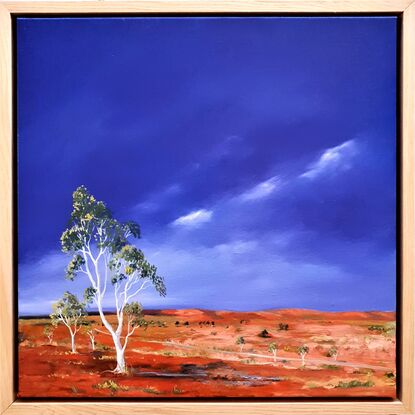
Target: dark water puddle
[[193, 371], [168, 375]]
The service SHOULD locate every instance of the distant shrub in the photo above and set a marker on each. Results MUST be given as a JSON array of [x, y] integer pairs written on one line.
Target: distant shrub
[[330, 367], [177, 323], [376, 327], [264, 333], [355, 384], [186, 323], [21, 337], [390, 375], [100, 346], [283, 326]]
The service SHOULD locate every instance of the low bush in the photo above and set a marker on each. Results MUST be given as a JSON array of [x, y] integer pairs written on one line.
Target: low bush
[[112, 386], [355, 384], [151, 389], [264, 333]]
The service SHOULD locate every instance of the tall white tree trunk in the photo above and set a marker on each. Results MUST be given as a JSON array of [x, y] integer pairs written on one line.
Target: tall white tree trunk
[[73, 342], [303, 359], [120, 355]]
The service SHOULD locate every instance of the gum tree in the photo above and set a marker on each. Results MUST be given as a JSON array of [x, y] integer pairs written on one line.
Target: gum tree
[[101, 252], [302, 352], [240, 341], [70, 312], [48, 332], [272, 348], [333, 352], [91, 333]]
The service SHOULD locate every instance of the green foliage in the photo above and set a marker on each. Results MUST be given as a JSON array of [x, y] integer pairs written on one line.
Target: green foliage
[[47, 330], [130, 261], [272, 347], [330, 367], [332, 352], [152, 390], [303, 350], [69, 308], [240, 340], [89, 294], [355, 384], [92, 222], [112, 386], [389, 329], [376, 327], [74, 266], [134, 312]]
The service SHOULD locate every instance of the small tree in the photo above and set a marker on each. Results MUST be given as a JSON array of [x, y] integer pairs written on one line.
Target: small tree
[[69, 311], [333, 352], [48, 332], [302, 352], [134, 313], [272, 348], [90, 332], [240, 341]]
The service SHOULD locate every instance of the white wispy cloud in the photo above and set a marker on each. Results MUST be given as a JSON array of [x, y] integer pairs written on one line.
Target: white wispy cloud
[[194, 219], [261, 190], [237, 247], [156, 200], [332, 160]]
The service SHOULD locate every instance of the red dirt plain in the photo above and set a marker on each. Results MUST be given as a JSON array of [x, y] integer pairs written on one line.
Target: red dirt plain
[[200, 360]]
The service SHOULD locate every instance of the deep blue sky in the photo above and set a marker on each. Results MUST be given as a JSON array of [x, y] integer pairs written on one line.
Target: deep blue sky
[[258, 154]]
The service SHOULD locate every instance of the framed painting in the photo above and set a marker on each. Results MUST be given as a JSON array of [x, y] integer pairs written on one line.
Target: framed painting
[[207, 207]]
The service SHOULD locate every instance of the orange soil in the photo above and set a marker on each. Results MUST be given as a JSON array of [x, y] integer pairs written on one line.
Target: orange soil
[[201, 360]]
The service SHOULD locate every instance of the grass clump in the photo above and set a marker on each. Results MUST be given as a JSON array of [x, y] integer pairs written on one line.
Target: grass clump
[[355, 384], [152, 390], [387, 329], [112, 386], [176, 390], [330, 367]]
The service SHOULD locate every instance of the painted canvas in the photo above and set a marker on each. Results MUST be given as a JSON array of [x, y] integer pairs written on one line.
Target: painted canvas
[[206, 207]]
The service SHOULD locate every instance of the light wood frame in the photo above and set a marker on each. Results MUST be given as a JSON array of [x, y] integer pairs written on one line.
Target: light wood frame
[[405, 404]]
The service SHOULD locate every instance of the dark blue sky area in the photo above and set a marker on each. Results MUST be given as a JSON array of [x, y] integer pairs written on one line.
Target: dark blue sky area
[[258, 154]]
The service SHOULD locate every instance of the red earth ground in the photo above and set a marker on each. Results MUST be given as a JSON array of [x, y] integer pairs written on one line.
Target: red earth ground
[[201, 359]]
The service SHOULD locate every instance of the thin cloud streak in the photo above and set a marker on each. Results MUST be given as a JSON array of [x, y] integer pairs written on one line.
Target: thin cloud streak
[[332, 160], [194, 219], [261, 190]]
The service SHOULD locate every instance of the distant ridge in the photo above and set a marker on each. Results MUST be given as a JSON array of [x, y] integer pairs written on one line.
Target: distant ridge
[[270, 313]]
